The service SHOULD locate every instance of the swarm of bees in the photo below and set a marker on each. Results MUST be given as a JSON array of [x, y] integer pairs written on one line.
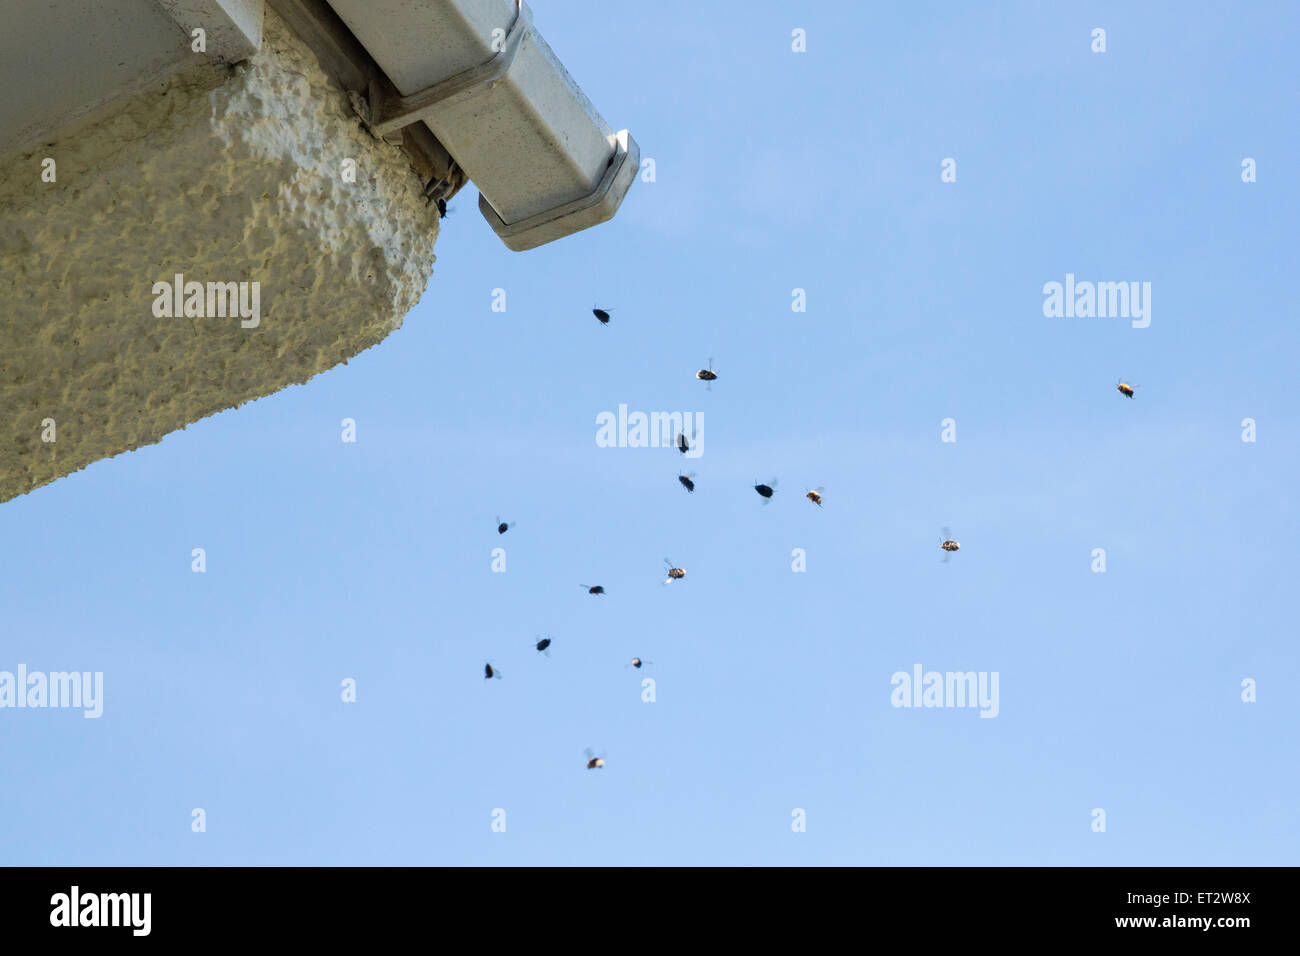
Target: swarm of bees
[[765, 490]]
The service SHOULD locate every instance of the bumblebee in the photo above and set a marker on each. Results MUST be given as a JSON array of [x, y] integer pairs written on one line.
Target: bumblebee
[[594, 762], [601, 315], [766, 491], [674, 574], [815, 496], [707, 375], [1125, 389], [490, 672], [948, 544], [503, 526], [637, 663], [542, 645], [687, 481], [593, 589], [682, 444]]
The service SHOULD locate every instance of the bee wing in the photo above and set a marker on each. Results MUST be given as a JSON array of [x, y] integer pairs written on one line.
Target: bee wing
[[947, 533]]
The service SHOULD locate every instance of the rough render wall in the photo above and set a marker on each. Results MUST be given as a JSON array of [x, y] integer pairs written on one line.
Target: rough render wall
[[224, 175]]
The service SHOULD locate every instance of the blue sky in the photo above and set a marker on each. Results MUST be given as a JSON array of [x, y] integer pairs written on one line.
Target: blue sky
[[775, 171]]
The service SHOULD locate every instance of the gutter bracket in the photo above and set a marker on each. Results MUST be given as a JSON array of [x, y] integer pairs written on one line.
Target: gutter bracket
[[393, 114]]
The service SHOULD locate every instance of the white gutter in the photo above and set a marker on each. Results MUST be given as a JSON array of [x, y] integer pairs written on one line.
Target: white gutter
[[232, 28], [481, 78]]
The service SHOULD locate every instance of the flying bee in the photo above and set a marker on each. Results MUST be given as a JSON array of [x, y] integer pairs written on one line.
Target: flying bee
[[815, 496], [1126, 389], [503, 527], [490, 672], [442, 209], [682, 444], [637, 663], [707, 375], [593, 589], [688, 481], [674, 574], [602, 315], [541, 646], [948, 544], [594, 762], [766, 491]]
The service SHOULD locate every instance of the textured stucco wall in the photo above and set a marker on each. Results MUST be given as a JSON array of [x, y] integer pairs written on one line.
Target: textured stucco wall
[[223, 175]]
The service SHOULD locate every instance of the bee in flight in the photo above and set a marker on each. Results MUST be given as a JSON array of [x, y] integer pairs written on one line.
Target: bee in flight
[[1125, 389], [688, 481], [766, 491], [601, 315], [815, 496], [682, 444], [490, 672], [948, 544], [674, 574], [594, 762], [594, 588], [637, 663], [503, 526], [707, 375], [542, 644]]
